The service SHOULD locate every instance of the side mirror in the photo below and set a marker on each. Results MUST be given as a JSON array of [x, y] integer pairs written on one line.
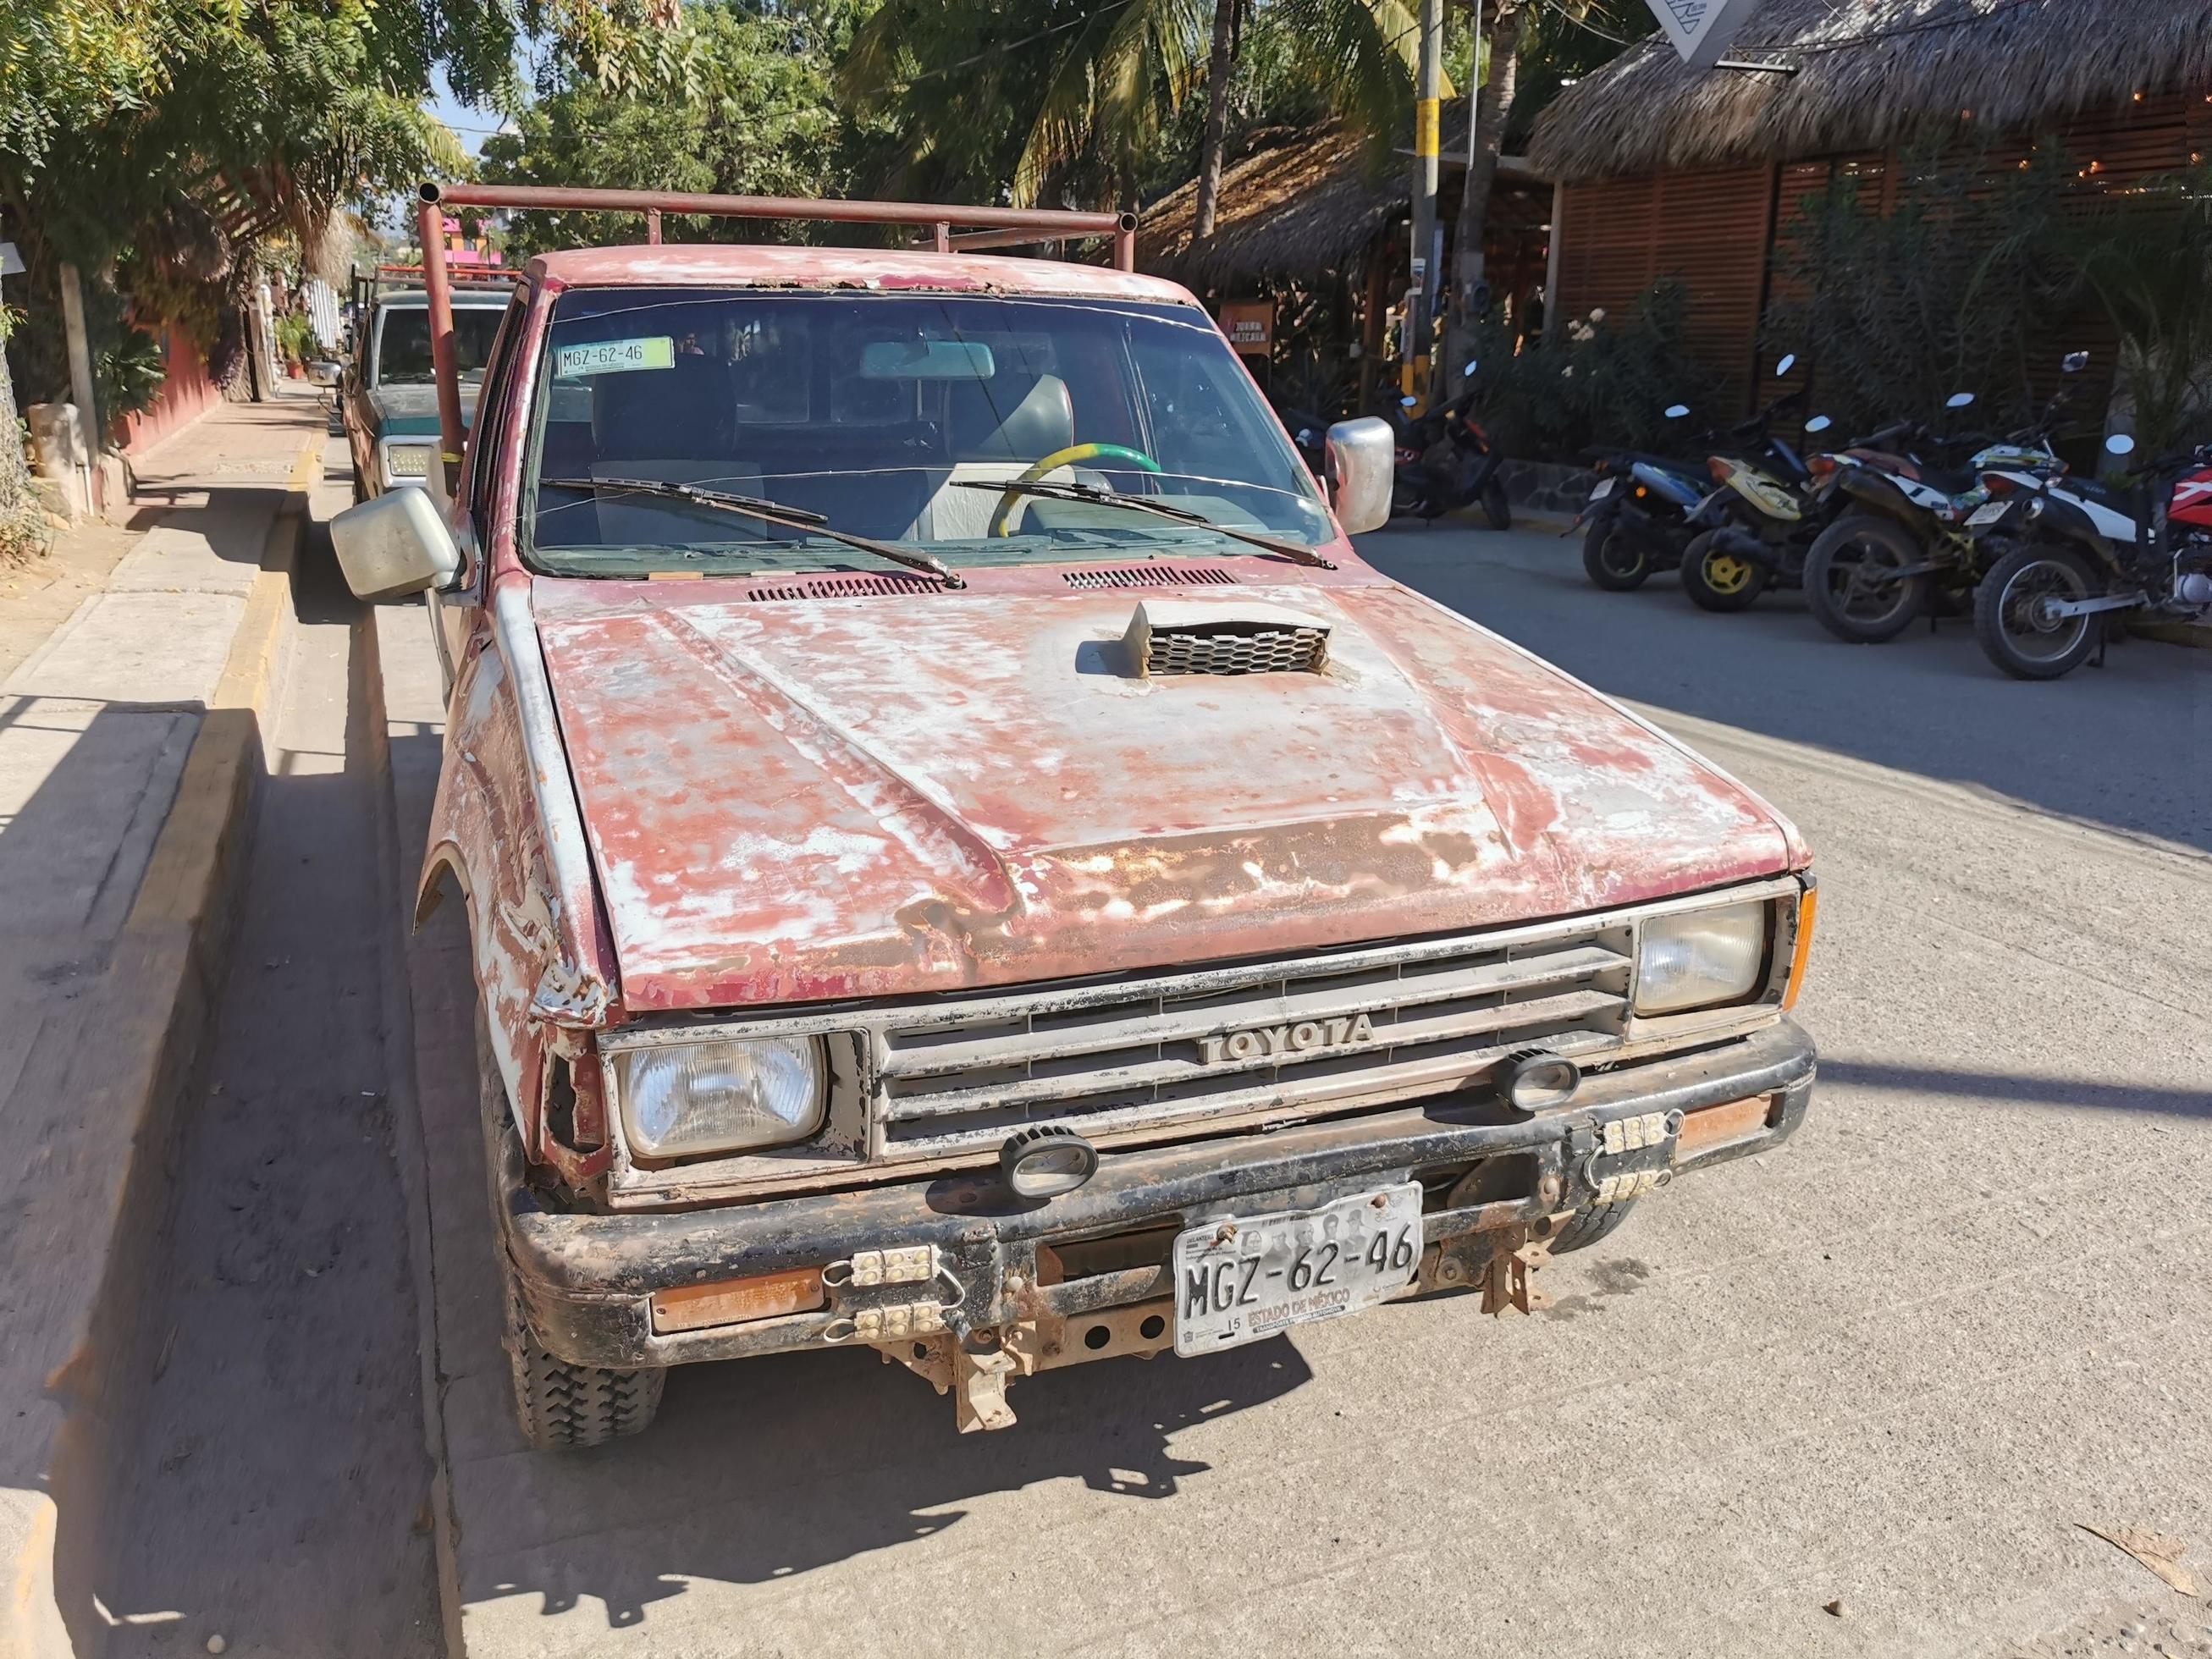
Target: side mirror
[[324, 371], [1676, 411], [1360, 460], [1958, 400], [1788, 362], [1408, 402], [1818, 423], [395, 545], [2119, 444], [2073, 363]]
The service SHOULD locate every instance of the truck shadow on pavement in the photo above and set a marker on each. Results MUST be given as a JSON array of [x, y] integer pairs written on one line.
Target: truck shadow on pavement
[[765, 1470], [2018, 1088]]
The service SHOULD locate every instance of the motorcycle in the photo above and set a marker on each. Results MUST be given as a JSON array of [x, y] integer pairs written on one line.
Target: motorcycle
[[2084, 552], [1755, 529], [1639, 513], [1445, 459], [1906, 533]]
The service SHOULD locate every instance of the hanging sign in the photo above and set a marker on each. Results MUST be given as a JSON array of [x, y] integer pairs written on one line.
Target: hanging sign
[[1249, 324], [1701, 29]]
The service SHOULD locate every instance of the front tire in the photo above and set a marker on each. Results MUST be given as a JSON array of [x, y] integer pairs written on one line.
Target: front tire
[[2008, 606], [1844, 586], [1717, 580], [558, 1406], [1590, 1224], [1615, 560]]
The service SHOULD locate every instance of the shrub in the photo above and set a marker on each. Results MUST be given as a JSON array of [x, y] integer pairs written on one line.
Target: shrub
[[1595, 380]]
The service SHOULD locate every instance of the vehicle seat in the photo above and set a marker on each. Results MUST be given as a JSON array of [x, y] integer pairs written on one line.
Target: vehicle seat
[[991, 448], [686, 412]]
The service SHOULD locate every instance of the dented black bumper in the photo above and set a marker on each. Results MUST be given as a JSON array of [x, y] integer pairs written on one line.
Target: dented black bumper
[[586, 1281]]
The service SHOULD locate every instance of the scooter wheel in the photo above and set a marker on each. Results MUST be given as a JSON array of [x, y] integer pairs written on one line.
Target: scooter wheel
[[1613, 559], [1846, 588], [1718, 579]]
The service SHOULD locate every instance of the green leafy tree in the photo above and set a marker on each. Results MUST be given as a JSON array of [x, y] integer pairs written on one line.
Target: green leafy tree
[[1066, 100], [751, 110]]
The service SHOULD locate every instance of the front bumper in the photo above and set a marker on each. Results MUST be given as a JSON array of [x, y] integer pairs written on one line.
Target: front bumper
[[585, 1280]]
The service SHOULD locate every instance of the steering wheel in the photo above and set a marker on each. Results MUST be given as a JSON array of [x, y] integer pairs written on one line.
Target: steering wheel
[[1001, 517]]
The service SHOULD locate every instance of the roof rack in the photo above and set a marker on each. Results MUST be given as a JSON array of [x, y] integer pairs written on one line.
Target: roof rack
[[987, 227]]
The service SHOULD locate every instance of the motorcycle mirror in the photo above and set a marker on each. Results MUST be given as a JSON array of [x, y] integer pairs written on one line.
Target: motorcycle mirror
[[1408, 402], [2073, 363], [1818, 423], [2119, 444], [1788, 362], [1467, 373], [1676, 411], [1958, 400]]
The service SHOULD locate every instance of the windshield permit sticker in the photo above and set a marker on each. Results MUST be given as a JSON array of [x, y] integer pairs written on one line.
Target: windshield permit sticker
[[572, 362]]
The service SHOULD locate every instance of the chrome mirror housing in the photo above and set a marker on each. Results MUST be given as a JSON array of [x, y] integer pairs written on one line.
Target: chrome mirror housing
[[1360, 462], [394, 546]]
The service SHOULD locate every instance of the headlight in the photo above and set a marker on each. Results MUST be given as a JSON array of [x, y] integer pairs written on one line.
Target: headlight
[[1695, 959], [404, 463], [679, 1099]]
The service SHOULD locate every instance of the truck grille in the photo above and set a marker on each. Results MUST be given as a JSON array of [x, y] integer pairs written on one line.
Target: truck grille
[[1359, 1028]]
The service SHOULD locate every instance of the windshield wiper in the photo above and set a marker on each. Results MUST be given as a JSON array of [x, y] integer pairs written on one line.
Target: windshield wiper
[[1098, 497], [754, 506]]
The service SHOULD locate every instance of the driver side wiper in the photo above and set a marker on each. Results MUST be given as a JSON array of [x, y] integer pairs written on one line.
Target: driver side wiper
[[1091, 493], [754, 506]]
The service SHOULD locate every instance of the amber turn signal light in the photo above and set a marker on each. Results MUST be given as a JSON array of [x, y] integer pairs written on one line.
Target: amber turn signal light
[[1807, 906], [737, 1301]]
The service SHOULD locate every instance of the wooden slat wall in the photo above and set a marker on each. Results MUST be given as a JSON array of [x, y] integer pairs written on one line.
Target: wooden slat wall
[[1713, 230]]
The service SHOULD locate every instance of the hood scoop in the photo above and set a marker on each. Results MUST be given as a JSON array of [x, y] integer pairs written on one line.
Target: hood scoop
[[1165, 637], [843, 587]]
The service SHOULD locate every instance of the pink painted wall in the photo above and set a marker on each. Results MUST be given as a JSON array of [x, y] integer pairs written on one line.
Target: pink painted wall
[[186, 394]]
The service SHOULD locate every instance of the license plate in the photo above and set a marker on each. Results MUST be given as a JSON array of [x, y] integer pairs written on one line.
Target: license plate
[[1990, 512], [1604, 489], [1242, 1277]]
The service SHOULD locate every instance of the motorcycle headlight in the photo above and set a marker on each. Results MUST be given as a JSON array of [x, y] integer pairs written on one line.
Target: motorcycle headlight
[[1696, 958], [680, 1099]]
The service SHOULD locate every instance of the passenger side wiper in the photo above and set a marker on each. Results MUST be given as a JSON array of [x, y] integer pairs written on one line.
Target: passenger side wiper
[[1098, 497], [754, 506]]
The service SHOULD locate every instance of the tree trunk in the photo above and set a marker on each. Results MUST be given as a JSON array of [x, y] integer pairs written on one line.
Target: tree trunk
[[23, 522], [1217, 117], [1509, 30]]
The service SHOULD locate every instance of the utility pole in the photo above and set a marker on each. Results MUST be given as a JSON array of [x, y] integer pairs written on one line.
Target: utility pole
[[1420, 309]]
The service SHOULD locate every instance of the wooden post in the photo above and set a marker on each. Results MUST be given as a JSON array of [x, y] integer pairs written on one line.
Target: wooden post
[[653, 227], [1552, 311], [83, 392]]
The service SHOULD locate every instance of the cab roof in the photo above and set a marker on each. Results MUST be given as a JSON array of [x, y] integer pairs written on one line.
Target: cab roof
[[756, 266]]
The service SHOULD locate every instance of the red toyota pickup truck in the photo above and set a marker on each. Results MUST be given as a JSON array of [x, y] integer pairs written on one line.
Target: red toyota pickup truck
[[963, 859]]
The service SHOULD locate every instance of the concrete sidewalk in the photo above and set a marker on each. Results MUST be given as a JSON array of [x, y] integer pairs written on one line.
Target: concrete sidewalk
[[129, 742]]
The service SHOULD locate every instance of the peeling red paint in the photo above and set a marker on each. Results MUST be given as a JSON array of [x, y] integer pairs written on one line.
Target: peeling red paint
[[921, 792]]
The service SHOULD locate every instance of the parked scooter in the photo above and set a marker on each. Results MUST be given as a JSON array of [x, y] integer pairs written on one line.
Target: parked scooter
[[1639, 513], [1905, 532], [1755, 529], [2086, 552], [1445, 459]]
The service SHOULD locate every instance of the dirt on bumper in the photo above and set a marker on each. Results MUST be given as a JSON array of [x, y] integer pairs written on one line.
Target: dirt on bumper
[[955, 1277]]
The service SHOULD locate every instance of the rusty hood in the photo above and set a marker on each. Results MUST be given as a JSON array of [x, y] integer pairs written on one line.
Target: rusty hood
[[927, 791]]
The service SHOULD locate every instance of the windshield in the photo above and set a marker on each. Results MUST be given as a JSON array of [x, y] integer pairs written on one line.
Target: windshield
[[899, 417], [402, 343]]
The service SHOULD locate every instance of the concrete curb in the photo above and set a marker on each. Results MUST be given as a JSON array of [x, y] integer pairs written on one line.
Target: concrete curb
[[411, 1148], [153, 1006]]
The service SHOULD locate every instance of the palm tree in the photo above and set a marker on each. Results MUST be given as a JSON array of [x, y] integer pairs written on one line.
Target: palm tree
[[1047, 98]]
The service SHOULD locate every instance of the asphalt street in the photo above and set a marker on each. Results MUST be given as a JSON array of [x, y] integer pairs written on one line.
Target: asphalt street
[[1897, 1367]]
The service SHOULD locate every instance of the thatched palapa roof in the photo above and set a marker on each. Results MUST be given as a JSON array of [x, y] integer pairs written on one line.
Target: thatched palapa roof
[[1870, 73], [1302, 203]]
